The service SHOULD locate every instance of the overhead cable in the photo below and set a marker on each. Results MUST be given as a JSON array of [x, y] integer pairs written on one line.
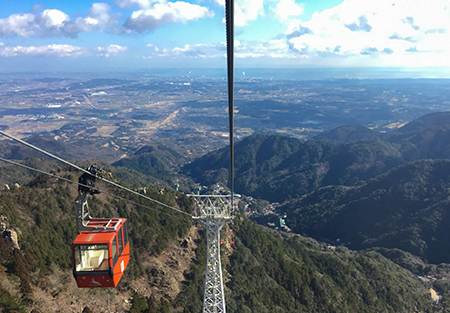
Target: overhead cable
[[229, 17], [86, 171], [90, 187]]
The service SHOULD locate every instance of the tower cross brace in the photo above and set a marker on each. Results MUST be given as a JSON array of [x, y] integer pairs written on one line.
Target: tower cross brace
[[214, 212]]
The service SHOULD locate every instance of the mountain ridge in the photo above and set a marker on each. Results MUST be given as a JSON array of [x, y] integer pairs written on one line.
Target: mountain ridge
[[403, 208], [277, 168]]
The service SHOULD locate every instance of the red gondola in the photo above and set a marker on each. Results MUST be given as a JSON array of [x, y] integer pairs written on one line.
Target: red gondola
[[101, 251], [101, 257]]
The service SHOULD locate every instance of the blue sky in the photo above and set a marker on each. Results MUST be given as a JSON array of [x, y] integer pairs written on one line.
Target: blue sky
[[139, 34]]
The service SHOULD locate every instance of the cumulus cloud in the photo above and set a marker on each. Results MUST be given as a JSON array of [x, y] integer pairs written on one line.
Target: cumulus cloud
[[361, 26], [354, 33], [299, 32], [412, 49], [129, 4], [275, 49], [53, 23], [59, 50], [436, 31], [97, 18], [247, 10], [375, 28], [111, 50], [374, 51], [287, 8], [410, 20], [396, 36], [243, 49], [200, 51], [155, 48], [165, 12], [47, 50], [36, 8]]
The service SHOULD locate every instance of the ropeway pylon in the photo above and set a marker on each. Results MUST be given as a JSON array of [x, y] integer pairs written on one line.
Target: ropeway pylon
[[213, 211]]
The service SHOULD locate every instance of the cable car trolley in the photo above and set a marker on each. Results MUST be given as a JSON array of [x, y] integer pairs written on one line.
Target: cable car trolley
[[101, 251]]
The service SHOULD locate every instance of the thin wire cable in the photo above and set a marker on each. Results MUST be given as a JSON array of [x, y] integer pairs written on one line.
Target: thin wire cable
[[229, 17], [86, 171], [90, 187]]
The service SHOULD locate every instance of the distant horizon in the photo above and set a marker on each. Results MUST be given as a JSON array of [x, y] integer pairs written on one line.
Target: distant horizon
[[242, 73]]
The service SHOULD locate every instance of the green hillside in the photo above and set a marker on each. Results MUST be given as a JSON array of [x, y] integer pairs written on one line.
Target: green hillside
[[406, 208], [265, 272], [158, 161], [273, 272], [43, 215], [277, 168], [348, 133]]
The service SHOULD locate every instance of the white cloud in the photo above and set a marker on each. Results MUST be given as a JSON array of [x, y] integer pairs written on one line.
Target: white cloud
[[275, 49], [47, 50], [155, 48], [52, 18], [111, 50], [59, 50], [53, 23], [166, 12], [56, 23], [372, 33], [129, 4], [381, 30], [201, 51], [97, 18], [243, 49], [287, 8], [219, 2], [354, 33], [247, 10], [36, 8]]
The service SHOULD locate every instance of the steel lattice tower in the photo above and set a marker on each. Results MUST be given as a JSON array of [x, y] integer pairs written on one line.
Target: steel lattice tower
[[213, 211]]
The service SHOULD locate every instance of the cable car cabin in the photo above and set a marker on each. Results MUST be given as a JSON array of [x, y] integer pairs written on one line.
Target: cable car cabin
[[101, 255]]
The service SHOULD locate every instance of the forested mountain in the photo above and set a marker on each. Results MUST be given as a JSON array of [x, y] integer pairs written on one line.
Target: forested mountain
[[268, 271], [406, 208], [432, 120], [43, 215], [374, 194], [348, 133], [278, 168], [157, 161], [421, 129], [264, 272]]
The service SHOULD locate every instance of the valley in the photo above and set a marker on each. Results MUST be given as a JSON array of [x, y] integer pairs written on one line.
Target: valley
[[347, 179]]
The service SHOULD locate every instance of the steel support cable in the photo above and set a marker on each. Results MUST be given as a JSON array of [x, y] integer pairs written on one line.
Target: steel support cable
[[86, 171], [90, 187], [229, 18]]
